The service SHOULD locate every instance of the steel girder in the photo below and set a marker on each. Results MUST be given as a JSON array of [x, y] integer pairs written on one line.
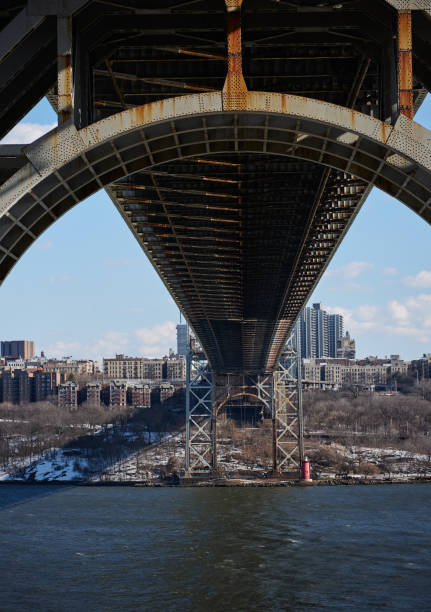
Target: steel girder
[[67, 166], [28, 56]]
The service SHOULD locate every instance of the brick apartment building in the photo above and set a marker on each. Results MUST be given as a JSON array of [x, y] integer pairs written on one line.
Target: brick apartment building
[[139, 395], [166, 391], [93, 393], [25, 386], [45, 384], [10, 388], [68, 394], [118, 394], [421, 367]]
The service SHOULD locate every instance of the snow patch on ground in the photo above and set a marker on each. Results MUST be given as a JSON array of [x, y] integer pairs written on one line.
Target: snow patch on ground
[[55, 465]]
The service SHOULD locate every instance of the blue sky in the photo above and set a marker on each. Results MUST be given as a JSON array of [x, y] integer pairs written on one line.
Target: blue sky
[[86, 289]]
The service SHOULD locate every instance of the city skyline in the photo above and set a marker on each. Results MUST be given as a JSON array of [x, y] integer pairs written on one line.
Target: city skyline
[[95, 300]]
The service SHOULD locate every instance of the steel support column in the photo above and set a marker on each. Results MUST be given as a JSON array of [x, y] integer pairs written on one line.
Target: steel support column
[[200, 418], [64, 67], [405, 63], [288, 446], [235, 87]]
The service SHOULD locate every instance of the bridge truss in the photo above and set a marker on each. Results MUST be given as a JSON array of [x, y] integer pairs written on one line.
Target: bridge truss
[[279, 393]]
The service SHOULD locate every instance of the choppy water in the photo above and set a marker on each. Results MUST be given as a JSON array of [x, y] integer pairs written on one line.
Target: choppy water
[[322, 548]]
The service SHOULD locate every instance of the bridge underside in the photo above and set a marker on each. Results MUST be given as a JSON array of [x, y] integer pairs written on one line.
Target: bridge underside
[[235, 237]]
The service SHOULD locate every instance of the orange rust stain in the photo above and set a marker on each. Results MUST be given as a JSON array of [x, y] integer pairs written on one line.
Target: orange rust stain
[[140, 113], [235, 86], [384, 129], [405, 63], [64, 87]]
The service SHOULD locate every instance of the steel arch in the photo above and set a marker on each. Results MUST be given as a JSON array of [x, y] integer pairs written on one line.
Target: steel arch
[[66, 165]]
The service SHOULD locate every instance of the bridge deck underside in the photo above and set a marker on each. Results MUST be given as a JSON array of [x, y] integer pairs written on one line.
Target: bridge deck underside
[[229, 235]]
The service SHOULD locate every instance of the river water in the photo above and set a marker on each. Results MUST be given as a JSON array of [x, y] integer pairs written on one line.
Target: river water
[[215, 549]]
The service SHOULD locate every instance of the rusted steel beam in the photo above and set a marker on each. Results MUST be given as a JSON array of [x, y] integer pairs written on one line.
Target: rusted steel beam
[[64, 68], [214, 162], [111, 104], [234, 88], [200, 54], [152, 81], [405, 64]]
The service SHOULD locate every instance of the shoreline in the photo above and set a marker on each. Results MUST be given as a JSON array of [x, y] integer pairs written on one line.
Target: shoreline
[[258, 483]]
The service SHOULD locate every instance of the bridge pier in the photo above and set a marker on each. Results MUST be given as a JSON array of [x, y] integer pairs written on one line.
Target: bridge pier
[[288, 426], [280, 394], [201, 430]]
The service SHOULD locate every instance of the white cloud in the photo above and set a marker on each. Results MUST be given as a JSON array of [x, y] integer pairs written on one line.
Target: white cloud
[[142, 342], [399, 312], [156, 340], [350, 270], [421, 280], [389, 271], [27, 132], [409, 317]]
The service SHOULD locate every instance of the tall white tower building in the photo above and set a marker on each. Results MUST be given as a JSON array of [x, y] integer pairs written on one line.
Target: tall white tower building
[[182, 339]]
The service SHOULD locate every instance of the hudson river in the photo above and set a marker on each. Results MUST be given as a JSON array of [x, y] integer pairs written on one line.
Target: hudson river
[[221, 549]]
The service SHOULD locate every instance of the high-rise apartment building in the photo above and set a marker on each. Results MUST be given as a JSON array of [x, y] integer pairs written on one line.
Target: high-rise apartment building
[[182, 339], [25, 385], [10, 387], [17, 348], [335, 333], [320, 317], [305, 330], [320, 332]]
